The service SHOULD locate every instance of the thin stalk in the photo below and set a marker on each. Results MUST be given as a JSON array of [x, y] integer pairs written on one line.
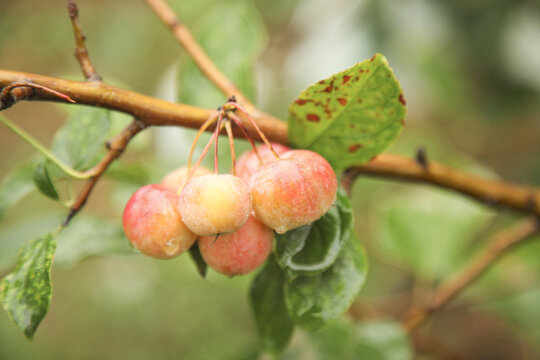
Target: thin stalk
[[261, 134], [242, 127], [217, 131], [203, 127], [44, 151], [231, 145]]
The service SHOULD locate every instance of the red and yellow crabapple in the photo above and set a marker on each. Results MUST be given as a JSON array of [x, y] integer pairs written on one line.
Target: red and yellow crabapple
[[176, 179], [293, 191], [240, 252], [153, 224], [248, 163], [214, 204]]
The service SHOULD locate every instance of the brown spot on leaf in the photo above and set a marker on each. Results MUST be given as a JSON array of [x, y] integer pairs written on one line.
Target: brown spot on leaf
[[355, 147], [300, 101], [356, 78], [391, 112], [403, 122], [362, 71], [328, 89], [402, 99], [372, 58], [313, 117], [342, 101], [346, 78], [367, 71], [321, 82], [360, 100]]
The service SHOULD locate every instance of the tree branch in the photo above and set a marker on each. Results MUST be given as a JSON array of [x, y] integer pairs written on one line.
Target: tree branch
[[151, 111], [81, 53], [500, 244], [155, 112], [195, 51], [491, 192]]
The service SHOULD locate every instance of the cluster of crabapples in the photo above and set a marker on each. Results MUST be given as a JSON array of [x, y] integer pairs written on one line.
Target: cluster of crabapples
[[231, 216]]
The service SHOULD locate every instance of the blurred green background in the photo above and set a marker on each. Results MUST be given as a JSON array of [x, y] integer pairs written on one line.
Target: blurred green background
[[470, 74]]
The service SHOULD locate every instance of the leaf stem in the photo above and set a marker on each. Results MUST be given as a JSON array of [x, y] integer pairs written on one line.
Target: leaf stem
[[44, 151]]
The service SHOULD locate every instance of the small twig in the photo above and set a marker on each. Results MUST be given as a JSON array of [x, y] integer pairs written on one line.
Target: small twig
[[24, 90], [81, 52], [500, 244], [195, 51], [421, 158], [115, 148]]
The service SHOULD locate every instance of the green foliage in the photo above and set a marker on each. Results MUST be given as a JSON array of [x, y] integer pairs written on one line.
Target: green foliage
[[314, 300], [87, 236], [373, 340], [14, 187], [350, 117], [42, 179], [26, 293], [313, 248], [273, 322], [234, 28], [78, 143]]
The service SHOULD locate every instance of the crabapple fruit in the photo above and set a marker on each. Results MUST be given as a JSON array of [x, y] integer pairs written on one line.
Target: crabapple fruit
[[214, 204], [240, 252], [153, 225], [176, 179], [248, 163], [293, 191]]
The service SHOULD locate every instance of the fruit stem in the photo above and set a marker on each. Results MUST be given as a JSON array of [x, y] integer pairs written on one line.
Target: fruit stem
[[217, 131], [203, 127], [261, 134], [228, 128], [201, 157], [241, 125]]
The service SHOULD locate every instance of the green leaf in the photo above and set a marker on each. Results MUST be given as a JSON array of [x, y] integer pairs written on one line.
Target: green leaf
[[26, 293], [313, 248], [312, 301], [198, 260], [43, 181], [15, 186], [233, 35], [350, 117], [274, 325], [132, 173], [373, 340], [83, 137], [87, 236]]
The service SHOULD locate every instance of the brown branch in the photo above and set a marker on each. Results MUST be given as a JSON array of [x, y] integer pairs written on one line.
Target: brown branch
[[195, 51], [81, 53], [500, 244], [157, 112], [116, 147], [492, 192], [151, 111]]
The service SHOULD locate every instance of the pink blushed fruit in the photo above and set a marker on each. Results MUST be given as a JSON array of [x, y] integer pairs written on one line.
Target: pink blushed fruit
[[153, 225], [294, 191], [214, 204], [248, 163], [240, 252], [176, 179]]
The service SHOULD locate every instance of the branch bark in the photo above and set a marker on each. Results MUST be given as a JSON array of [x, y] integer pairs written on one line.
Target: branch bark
[[500, 244], [155, 112]]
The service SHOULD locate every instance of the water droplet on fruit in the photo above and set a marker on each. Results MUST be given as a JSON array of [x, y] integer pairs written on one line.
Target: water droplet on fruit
[[171, 247]]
